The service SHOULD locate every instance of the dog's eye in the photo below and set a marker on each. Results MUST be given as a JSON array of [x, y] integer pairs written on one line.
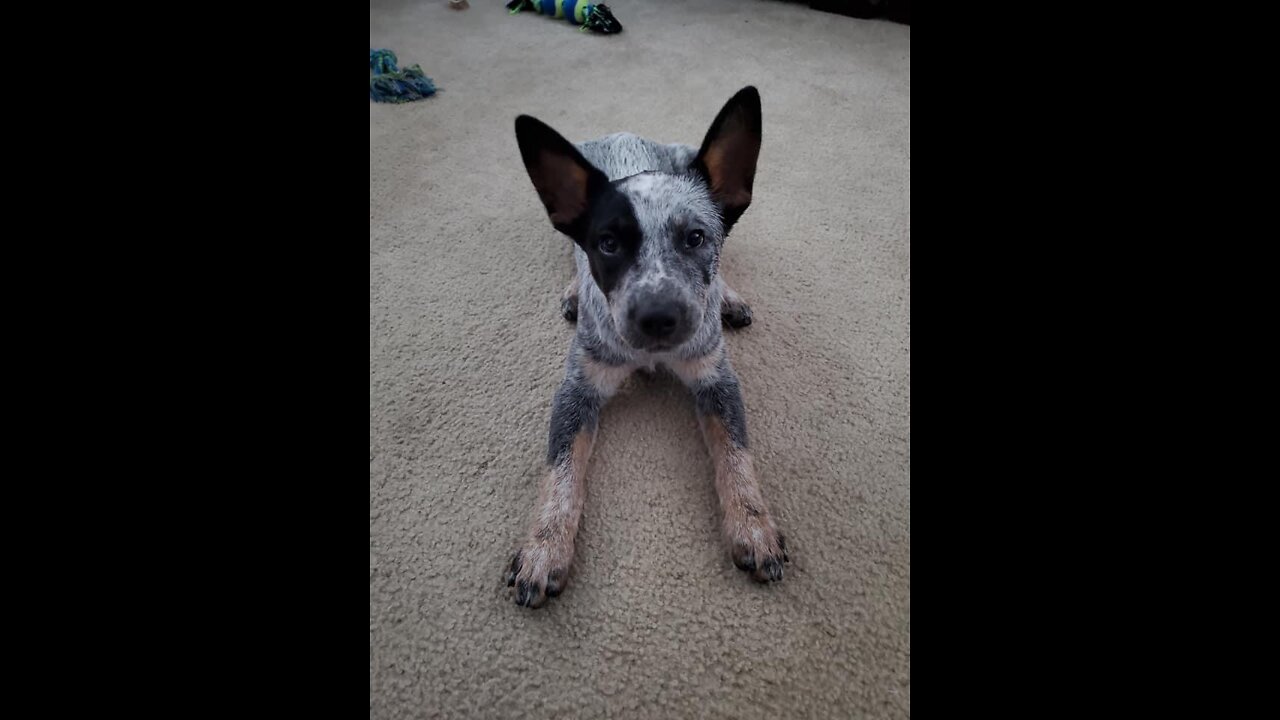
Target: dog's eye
[[607, 244], [694, 239]]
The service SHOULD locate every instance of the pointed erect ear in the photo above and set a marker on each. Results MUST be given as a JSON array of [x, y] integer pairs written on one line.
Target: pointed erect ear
[[728, 156], [564, 179]]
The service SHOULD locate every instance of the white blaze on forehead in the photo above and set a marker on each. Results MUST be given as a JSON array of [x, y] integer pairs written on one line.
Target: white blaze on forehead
[[643, 183], [652, 269], [655, 197], [664, 190]]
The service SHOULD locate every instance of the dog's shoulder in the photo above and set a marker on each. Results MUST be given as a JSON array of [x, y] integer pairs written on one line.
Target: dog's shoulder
[[624, 154]]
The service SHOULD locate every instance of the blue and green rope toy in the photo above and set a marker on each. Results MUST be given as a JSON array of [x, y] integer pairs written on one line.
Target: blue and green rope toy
[[387, 84], [596, 18]]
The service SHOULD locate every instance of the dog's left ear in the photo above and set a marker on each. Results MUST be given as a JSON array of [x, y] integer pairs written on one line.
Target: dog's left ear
[[728, 156]]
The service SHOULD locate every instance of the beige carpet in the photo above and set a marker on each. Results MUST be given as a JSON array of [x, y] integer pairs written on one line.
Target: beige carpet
[[465, 350]]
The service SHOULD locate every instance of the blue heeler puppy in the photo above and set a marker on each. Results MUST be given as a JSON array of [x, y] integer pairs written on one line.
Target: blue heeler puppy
[[648, 222]]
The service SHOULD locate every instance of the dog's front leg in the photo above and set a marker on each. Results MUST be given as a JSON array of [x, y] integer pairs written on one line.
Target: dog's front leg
[[755, 543], [734, 311], [539, 569], [569, 300]]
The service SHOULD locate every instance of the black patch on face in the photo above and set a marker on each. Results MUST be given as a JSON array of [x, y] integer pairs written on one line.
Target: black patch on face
[[610, 215]]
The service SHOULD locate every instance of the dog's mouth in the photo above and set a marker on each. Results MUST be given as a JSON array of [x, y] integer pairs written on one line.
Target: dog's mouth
[[644, 343], [638, 342]]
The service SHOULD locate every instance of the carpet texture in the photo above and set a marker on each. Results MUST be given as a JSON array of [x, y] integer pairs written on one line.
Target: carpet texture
[[466, 345]]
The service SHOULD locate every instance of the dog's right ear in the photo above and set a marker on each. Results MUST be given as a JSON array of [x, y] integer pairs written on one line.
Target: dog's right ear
[[564, 179], [729, 151]]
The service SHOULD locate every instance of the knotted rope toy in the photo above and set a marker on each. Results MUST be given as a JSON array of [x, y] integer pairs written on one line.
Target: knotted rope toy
[[596, 18], [387, 84]]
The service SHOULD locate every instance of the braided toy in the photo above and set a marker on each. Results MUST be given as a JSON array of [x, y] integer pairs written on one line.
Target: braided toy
[[593, 17], [389, 84]]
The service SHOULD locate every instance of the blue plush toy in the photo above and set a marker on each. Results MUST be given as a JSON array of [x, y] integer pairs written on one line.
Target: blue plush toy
[[592, 17]]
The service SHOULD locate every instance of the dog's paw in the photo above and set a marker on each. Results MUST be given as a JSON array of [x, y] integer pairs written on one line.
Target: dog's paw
[[539, 571], [760, 550], [569, 308], [735, 314]]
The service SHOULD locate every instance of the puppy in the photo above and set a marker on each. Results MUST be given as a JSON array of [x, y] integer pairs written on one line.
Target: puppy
[[648, 222]]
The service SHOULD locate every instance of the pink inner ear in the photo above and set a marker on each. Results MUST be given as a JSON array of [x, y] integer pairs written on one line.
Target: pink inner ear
[[562, 186], [732, 165]]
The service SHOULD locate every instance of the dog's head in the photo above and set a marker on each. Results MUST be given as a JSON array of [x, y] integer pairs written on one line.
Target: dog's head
[[653, 239]]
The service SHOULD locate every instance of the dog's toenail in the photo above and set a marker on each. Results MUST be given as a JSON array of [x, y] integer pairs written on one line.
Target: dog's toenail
[[555, 583], [513, 569]]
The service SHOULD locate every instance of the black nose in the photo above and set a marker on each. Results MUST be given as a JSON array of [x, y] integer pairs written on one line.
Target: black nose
[[658, 320]]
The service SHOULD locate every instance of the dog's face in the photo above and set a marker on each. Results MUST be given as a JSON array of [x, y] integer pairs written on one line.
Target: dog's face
[[653, 239], [654, 246]]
